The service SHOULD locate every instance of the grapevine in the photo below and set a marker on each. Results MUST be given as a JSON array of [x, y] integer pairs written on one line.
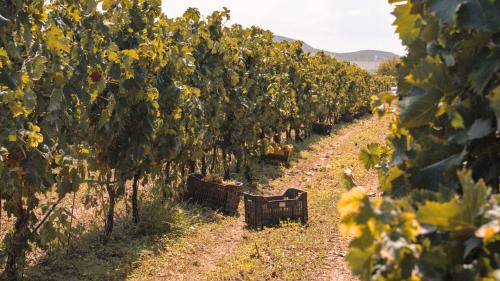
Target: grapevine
[[97, 93]]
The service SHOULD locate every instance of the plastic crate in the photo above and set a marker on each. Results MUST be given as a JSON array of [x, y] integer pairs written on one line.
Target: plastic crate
[[270, 210], [222, 196], [322, 129]]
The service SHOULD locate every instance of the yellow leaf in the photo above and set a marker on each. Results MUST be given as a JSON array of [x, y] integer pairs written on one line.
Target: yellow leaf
[[106, 4], [3, 54], [18, 109], [93, 96], [34, 128], [25, 78], [415, 277], [131, 54], [178, 114], [153, 94], [457, 121], [11, 138], [409, 78], [375, 227], [411, 227], [58, 159], [113, 56], [34, 139], [196, 92], [445, 216], [56, 40], [75, 15], [4, 58], [350, 202], [350, 229], [84, 151]]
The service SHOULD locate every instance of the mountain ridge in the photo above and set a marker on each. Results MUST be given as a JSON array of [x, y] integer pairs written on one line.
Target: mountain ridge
[[366, 59]]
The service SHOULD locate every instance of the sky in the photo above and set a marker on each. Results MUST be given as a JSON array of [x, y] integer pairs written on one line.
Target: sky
[[331, 25]]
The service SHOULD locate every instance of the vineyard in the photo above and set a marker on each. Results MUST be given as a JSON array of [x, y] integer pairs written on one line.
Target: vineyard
[[95, 94], [107, 108]]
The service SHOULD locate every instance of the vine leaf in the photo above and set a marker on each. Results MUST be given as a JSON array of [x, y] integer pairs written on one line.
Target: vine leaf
[[371, 155], [474, 194], [484, 69], [405, 23], [456, 215], [494, 98], [418, 107], [445, 216], [55, 99], [432, 176], [348, 179], [56, 40], [480, 129], [359, 259], [445, 10], [480, 15]]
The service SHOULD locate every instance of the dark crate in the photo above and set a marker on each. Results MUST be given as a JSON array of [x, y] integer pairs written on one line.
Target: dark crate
[[270, 210], [225, 197], [322, 129], [273, 158], [362, 113], [347, 117]]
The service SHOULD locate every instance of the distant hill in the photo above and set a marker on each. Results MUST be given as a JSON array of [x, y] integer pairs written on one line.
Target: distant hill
[[366, 59], [306, 47]]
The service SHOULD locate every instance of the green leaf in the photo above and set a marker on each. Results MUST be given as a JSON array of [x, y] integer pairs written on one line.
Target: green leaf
[[371, 155], [348, 179], [418, 107], [480, 15], [494, 98], [55, 99], [474, 195], [445, 10], [360, 260], [480, 129], [432, 176], [484, 70], [38, 67]]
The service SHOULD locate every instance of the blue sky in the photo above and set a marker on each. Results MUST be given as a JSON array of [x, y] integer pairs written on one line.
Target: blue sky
[[332, 25]]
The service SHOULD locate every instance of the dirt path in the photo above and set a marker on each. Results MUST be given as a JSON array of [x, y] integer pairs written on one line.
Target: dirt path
[[214, 251]]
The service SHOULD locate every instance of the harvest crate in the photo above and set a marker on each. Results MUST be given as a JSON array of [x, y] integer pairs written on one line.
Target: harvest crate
[[223, 196], [347, 117], [322, 128], [283, 157], [269, 210]]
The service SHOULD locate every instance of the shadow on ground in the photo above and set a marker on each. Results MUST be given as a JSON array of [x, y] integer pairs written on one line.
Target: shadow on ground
[[91, 258]]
